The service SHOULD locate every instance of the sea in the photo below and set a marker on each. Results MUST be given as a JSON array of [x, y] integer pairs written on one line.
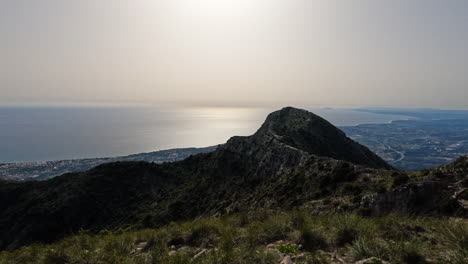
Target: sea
[[31, 134]]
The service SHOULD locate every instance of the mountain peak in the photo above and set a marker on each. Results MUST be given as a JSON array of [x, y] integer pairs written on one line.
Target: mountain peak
[[308, 132], [291, 119]]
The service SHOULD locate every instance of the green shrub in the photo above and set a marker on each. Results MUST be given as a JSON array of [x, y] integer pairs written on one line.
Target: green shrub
[[345, 236], [299, 220], [203, 236], [407, 252], [400, 179], [412, 257], [288, 248], [275, 228], [243, 220], [394, 231], [158, 251], [365, 248], [455, 235]]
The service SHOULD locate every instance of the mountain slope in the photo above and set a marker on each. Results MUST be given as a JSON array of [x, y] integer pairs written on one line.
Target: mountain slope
[[278, 167], [313, 134]]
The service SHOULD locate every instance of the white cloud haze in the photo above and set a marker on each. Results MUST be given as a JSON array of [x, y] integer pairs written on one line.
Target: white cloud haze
[[328, 52]]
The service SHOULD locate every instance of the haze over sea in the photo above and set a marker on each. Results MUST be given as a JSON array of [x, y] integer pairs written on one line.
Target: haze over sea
[[57, 133]]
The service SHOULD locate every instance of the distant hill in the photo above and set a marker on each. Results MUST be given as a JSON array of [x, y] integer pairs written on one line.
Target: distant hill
[[295, 160], [25, 171]]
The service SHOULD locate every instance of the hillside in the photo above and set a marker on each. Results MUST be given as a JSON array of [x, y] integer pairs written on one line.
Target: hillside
[[295, 160], [266, 237]]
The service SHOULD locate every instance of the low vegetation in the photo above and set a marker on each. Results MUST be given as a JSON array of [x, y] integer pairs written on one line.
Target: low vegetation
[[263, 237]]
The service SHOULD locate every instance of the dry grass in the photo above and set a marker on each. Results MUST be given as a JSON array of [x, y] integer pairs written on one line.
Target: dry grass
[[244, 239]]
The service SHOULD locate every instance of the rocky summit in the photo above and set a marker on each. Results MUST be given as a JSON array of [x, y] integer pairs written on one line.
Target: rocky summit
[[296, 160], [310, 133]]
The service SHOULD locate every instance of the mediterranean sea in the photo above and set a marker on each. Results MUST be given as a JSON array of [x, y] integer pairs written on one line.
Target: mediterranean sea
[[57, 133]]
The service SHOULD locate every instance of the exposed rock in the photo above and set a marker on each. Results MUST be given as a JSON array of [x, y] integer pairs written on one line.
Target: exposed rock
[[298, 257], [271, 245], [428, 196], [139, 248], [372, 260], [183, 249], [275, 244], [418, 197], [201, 253], [286, 260]]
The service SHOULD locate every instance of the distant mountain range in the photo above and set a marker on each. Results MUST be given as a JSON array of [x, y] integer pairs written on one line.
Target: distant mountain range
[[295, 160]]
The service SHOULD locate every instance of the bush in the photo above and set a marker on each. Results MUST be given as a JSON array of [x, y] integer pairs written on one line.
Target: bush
[[400, 179], [345, 236], [365, 248], [288, 248], [243, 220], [312, 240], [299, 220], [203, 236], [412, 257], [343, 172], [351, 188], [408, 252], [158, 251], [275, 228], [456, 237]]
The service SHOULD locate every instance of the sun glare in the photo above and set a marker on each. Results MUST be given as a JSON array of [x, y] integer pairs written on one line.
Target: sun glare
[[219, 9]]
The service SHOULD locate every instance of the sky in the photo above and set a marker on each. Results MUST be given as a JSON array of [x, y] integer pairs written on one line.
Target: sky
[[398, 53]]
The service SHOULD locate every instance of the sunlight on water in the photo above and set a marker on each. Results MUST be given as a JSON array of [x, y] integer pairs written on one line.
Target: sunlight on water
[[40, 134]]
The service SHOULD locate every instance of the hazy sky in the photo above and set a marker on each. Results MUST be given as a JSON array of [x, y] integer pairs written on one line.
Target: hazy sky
[[327, 53]]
